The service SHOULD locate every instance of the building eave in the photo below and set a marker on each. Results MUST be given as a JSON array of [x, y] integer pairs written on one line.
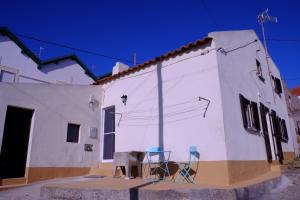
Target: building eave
[[6, 32], [181, 50]]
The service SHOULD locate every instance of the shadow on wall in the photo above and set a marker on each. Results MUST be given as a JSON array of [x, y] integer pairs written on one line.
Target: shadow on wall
[[160, 107]]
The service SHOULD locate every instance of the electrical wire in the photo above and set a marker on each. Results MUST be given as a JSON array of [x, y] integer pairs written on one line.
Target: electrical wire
[[74, 48]]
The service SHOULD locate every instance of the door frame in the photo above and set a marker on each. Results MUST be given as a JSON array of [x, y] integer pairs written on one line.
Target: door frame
[[30, 136]]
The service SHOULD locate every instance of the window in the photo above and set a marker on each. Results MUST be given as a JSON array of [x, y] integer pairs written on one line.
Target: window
[[283, 131], [277, 85], [249, 114], [259, 71], [109, 133], [6, 76], [73, 133]]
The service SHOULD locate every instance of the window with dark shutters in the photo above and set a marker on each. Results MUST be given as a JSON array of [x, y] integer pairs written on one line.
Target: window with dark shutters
[[263, 112], [254, 109], [277, 134], [250, 114], [243, 108], [277, 85], [283, 131]]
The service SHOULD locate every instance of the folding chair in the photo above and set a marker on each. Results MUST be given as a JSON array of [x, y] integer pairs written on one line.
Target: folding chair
[[159, 160], [186, 168]]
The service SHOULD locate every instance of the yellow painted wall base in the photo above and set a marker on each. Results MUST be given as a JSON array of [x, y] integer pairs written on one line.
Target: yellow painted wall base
[[43, 173], [13, 181], [221, 173], [288, 157]]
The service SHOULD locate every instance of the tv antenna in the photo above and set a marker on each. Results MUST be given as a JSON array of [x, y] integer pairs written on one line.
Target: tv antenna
[[263, 18], [40, 52]]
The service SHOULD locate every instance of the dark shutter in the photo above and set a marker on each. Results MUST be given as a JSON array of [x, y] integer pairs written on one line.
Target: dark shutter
[[255, 114], [277, 135], [285, 135], [278, 85], [263, 112], [243, 110]]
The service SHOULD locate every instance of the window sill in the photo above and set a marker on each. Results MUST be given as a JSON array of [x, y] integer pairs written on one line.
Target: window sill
[[261, 78], [253, 130]]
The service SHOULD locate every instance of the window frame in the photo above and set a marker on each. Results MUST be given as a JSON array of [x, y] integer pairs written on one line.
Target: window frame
[[107, 133], [259, 72], [277, 85], [78, 134], [11, 71], [250, 115]]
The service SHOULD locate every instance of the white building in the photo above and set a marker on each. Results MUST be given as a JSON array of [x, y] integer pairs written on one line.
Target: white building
[[19, 64], [293, 103], [246, 108], [218, 94]]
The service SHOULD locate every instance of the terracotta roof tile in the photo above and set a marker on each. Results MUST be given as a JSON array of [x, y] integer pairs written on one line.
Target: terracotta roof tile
[[296, 91], [168, 55]]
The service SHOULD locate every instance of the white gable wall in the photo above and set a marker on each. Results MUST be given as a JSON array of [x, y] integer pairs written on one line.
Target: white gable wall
[[67, 71], [238, 76], [12, 57], [183, 78]]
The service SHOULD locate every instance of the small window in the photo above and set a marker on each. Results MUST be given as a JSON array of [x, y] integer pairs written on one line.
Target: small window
[[283, 130], [277, 85], [6, 76], [259, 71], [249, 114], [73, 133]]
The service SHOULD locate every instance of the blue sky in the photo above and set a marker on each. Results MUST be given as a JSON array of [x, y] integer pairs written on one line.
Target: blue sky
[[149, 27]]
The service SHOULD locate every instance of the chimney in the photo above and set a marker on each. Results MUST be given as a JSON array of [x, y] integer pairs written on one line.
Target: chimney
[[119, 67]]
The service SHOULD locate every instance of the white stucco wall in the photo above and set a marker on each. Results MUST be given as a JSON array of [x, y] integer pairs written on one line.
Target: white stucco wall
[[183, 79], [54, 107], [12, 57], [238, 76], [67, 71]]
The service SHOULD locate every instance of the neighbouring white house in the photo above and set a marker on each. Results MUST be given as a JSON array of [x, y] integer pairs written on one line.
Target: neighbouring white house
[[19, 64], [293, 103], [219, 94]]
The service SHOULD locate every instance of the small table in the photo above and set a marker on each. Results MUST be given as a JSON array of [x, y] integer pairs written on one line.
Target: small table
[[160, 160], [127, 160]]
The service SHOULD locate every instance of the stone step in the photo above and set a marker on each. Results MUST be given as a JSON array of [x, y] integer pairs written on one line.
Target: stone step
[[7, 187]]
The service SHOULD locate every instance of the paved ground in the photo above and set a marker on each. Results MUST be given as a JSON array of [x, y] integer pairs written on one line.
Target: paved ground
[[289, 188], [32, 192]]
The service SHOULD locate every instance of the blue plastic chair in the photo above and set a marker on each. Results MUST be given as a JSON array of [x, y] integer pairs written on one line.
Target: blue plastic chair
[[157, 157], [186, 168]]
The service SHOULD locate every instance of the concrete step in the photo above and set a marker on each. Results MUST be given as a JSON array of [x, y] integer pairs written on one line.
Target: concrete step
[[7, 187]]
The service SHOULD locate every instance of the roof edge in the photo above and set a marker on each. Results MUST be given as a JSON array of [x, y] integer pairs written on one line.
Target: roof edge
[[6, 32], [189, 46]]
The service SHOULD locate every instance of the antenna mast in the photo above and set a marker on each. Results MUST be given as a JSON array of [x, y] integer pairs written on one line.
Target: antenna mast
[[263, 18], [134, 59], [40, 52]]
